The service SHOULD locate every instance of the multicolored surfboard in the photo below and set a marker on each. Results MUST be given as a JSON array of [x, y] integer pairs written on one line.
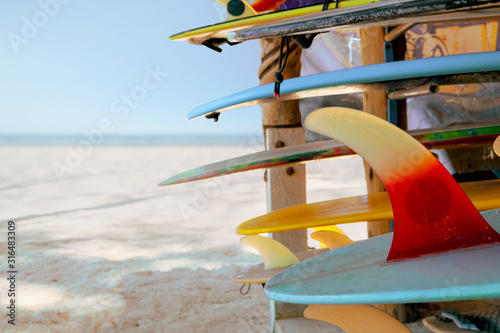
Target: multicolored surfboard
[[245, 16], [383, 13], [437, 138]]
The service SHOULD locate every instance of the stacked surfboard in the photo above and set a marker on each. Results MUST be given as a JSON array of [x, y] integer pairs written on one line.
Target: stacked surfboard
[[442, 248]]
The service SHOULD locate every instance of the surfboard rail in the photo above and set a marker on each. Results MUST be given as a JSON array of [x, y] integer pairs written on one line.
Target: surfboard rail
[[220, 30]]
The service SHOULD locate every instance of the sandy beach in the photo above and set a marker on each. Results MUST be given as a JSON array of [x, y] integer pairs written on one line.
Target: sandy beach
[[101, 248]]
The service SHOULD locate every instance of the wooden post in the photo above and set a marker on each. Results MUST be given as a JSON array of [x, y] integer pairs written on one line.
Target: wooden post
[[375, 102], [282, 128]]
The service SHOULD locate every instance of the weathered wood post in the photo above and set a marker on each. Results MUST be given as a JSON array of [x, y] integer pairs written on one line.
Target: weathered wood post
[[281, 121], [375, 102]]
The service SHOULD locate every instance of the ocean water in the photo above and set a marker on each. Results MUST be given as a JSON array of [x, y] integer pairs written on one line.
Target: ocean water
[[130, 140]]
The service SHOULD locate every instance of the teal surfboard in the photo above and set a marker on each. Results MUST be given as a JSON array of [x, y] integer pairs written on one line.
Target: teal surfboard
[[358, 274], [454, 69]]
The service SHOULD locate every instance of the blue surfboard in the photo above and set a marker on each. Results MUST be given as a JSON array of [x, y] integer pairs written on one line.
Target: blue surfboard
[[452, 69]]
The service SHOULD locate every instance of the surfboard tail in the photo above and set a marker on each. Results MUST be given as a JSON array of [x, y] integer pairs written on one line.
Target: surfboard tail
[[432, 214]]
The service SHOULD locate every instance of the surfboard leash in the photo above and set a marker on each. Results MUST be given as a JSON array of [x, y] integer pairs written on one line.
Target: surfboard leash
[[244, 293], [327, 2], [304, 41], [278, 76]]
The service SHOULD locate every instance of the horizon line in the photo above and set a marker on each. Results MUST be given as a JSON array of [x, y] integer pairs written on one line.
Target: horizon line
[[117, 139]]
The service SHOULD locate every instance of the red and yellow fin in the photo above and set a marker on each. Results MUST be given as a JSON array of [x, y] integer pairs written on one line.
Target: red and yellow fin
[[432, 214]]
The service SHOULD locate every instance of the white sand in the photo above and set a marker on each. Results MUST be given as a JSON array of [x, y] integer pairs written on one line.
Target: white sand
[[106, 250]]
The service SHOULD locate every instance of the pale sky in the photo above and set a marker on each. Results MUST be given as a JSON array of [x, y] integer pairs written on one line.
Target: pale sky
[[68, 65]]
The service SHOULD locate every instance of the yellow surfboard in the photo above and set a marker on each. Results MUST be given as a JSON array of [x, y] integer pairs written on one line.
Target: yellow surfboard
[[484, 195], [356, 318], [201, 35]]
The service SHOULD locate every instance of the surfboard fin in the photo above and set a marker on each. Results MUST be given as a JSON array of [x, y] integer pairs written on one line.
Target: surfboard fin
[[432, 214], [331, 239], [333, 228], [214, 116], [356, 318], [496, 146], [274, 253]]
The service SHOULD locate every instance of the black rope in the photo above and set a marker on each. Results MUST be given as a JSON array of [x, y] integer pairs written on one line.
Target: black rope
[[327, 2], [248, 290], [278, 77]]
